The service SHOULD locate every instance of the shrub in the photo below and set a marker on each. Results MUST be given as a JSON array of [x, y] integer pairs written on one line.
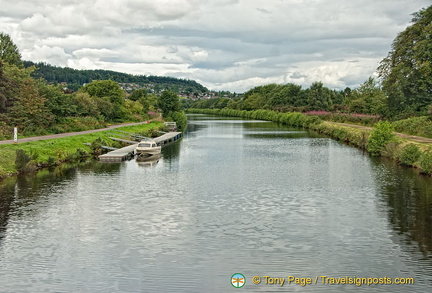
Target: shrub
[[180, 119], [426, 163], [409, 155], [22, 159], [381, 135], [421, 126]]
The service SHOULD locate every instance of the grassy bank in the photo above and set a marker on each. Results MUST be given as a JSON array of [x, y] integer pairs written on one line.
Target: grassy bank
[[38, 154], [379, 141]]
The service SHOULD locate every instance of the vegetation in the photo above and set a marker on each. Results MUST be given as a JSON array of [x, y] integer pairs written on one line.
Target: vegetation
[[426, 163], [420, 126], [381, 135], [75, 78], [9, 51], [409, 155], [406, 72], [367, 99]]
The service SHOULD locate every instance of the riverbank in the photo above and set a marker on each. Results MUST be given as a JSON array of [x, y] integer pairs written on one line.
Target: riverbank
[[34, 155], [404, 149]]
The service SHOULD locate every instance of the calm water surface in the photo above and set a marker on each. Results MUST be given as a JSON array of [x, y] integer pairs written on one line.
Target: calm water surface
[[234, 196]]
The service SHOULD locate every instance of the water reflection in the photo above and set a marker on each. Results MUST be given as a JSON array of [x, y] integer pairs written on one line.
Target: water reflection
[[150, 161], [408, 199]]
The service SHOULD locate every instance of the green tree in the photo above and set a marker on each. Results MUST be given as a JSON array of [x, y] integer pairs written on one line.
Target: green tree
[[381, 135], [9, 51], [6, 92], [368, 98], [138, 94], [59, 103], [319, 97], [406, 72], [29, 112], [106, 88], [169, 102], [86, 105]]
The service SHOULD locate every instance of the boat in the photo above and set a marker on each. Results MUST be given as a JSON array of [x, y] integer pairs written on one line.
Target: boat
[[147, 148]]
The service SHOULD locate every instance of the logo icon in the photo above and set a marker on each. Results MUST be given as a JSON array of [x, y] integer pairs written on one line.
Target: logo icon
[[238, 280]]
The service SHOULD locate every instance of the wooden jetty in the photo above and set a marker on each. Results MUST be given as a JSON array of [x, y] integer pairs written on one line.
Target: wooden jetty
[[127, 152]]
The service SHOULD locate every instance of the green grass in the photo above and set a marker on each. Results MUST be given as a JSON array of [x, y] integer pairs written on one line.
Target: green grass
[[60, 148]]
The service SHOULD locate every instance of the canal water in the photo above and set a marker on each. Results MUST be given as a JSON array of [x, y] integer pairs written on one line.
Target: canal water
[[233, 196]]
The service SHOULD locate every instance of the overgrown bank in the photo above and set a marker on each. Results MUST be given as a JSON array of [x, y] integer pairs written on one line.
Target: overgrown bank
[[380, 141], [31, 156]]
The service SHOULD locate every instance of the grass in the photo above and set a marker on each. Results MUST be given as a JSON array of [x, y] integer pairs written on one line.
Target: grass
[[59, 149]]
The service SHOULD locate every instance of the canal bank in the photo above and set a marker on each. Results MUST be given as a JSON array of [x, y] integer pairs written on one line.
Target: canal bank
[[404, 149], [34, 155]]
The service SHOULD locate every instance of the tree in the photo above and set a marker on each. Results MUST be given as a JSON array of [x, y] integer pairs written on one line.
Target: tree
[[319, 97], [368, 99], [169, 102], [29, 111], [9, 51], [60, 104], [106, 88], [138, 94], [406, 72]]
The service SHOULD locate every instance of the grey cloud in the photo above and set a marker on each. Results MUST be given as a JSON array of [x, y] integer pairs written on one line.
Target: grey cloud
[[232, 43]]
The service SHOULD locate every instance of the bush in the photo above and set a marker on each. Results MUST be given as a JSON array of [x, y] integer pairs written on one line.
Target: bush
[[22, 159], [409, 155], [180, 119], [426, 163], [381, 135], [420, 126]]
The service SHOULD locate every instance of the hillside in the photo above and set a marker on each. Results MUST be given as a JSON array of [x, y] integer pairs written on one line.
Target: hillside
[[75, 79]]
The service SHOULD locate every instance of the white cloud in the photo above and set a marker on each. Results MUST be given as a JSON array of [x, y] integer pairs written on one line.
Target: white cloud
[[225, 44]]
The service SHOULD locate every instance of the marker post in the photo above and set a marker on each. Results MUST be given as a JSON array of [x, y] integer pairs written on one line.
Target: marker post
[[15, 135]]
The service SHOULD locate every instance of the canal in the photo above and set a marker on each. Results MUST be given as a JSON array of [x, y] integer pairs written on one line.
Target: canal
[[233, 196]]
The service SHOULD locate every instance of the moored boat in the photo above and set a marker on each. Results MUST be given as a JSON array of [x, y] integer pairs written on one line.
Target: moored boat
[[147, 147]]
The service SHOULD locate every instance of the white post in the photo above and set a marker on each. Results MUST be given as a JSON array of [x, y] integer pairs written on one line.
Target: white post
[[15, 135]]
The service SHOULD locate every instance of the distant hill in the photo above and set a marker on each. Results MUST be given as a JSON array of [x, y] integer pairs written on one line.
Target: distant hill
[[74, 79]]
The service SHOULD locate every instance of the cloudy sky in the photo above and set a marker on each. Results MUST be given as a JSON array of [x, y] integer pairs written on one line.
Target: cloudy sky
[[223, 44]]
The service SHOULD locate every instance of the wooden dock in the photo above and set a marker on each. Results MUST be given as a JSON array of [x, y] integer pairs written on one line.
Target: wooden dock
[[127, 152]]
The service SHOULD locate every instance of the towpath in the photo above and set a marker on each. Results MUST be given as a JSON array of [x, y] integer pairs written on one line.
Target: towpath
[[59, 135]]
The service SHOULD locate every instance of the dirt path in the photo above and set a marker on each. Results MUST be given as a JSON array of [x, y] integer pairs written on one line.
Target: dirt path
[[51, 136], [406, 136]]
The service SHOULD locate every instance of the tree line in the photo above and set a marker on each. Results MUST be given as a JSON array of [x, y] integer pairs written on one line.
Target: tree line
[[75, 78]]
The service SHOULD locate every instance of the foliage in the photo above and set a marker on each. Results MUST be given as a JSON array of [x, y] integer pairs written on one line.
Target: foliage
[[420, 126], [426, 163], [368, 99], [76, 78], [381, 135], [409, 155], [169, 102], [29, 112], [138, 94], [406, 72], [180, 119], [9, 51], [22, 159], [319, 97], [105, 88], [363, 119]]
